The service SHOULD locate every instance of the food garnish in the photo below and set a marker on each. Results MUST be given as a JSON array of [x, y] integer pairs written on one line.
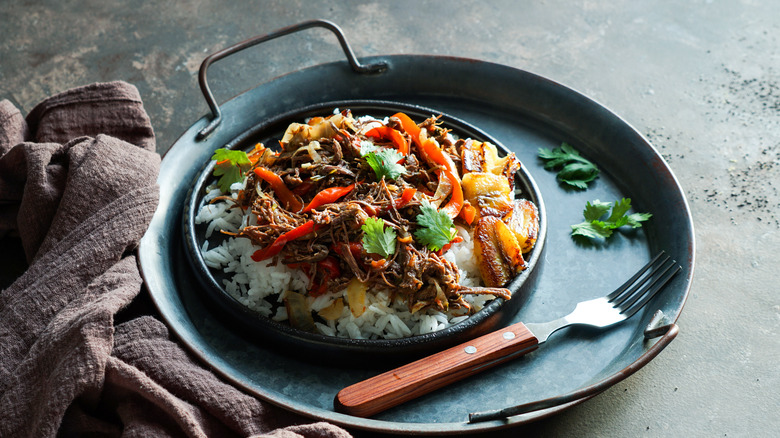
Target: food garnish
[[595, 226], [378, 239], [383, 161], [436, 230], [573, 169], [577, 171], [231, 166]]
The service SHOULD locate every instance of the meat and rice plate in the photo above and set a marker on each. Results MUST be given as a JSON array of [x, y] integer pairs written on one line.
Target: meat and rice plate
[[367, 228]]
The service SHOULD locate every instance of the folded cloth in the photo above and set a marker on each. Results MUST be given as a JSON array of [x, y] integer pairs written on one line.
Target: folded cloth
[[77, 186]]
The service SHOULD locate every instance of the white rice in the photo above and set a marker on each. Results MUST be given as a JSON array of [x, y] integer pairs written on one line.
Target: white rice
[[261, 286]]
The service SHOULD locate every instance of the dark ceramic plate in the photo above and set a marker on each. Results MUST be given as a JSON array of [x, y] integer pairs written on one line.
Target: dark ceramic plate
[[336, 349], [523, 112]]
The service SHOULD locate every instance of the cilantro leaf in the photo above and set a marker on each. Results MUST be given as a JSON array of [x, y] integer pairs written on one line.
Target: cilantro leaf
[[436, 228], [367, 147], [635, 220], [594, 210], [557, 157], [578, 174], [573, 169], [383, 161], [591, 230], [377, 239], [595, 227], [231, 166], [619, 210]]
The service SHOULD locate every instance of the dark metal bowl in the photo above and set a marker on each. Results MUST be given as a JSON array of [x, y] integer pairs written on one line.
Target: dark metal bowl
[[298, 342]]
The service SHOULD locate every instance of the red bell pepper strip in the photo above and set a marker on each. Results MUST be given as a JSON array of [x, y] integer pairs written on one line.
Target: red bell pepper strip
[[327, 196], [281, 190], [406, 197], [435, 154], [304, 187], [447, 246], [274, 248], [432, 151], [355, 248], [388, 133], [410, 127], [330, 269], [456, 201]]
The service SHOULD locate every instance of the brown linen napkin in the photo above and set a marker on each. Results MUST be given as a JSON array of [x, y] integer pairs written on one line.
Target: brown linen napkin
[[77, 185]]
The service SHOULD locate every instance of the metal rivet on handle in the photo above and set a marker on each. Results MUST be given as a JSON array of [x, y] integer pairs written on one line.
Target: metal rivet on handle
[[509, 335], [470, 349]]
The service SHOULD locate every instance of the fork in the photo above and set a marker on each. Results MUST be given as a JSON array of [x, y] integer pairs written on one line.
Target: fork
[[376, 394]]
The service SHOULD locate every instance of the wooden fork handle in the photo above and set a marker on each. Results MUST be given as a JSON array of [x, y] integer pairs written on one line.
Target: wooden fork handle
[[374, 395]]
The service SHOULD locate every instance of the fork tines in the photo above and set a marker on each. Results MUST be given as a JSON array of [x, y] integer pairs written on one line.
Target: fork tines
[[640, 288]]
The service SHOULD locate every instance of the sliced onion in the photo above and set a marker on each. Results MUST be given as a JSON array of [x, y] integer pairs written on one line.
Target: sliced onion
[[442, 191], [298, 311], [333, 311], [356, 297]]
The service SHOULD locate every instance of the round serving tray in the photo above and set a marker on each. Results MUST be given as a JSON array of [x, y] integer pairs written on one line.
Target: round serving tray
[[522, 111]]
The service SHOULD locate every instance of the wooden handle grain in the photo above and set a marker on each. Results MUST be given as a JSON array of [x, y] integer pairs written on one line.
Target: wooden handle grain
[[374, 395]]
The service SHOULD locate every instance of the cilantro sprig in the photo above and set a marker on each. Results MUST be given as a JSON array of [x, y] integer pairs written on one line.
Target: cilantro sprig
[[231, 166], [574, 169], [436, 230], [377, 239], [383, 161], [595, 226]]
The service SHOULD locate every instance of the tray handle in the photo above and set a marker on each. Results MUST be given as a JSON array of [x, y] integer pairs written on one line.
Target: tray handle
[[216, 118]]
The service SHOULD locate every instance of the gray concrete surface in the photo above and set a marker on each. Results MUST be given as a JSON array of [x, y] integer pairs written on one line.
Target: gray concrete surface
[[701, 79]]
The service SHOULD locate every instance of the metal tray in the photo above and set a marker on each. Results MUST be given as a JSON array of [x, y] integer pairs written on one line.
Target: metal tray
[[524, 112]]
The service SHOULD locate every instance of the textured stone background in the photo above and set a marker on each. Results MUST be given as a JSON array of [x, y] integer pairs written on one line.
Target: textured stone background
[[701, 79]]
